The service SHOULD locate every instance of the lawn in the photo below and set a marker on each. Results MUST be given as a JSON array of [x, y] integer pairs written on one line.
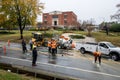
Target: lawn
[[4, 75], [15, 36], [112, 37]]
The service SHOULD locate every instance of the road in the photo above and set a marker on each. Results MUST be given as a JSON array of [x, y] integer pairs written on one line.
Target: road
[[72, 64]]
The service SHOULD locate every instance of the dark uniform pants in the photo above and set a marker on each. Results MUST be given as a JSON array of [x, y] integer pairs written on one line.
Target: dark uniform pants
[[49, 49], [99, 59], [24, 49], [34, 59], [53, 51]]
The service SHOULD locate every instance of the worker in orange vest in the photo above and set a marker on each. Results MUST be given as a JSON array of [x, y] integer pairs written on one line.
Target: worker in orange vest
[[53, 46], [97, 55], [49, 46]]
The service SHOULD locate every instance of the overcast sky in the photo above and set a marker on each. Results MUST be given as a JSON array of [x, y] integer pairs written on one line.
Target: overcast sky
[[99, 10]]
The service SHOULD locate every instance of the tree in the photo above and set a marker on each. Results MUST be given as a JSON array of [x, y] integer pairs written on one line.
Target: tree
[[89, 29], [88, 25], [115, 27], [21, 12], [117, 14]]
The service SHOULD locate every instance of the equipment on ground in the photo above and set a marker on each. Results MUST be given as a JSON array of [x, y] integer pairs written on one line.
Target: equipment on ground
[[65, 42]]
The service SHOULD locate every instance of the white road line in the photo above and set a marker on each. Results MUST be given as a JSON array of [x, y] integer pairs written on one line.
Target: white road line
[[66, 67]]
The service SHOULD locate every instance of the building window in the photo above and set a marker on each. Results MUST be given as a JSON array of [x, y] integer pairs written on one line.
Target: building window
[[65, 22], [55, 16], [65, 15], [45, 22], [45, 16]]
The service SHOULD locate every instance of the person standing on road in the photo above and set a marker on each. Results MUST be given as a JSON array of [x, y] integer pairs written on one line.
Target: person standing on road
[[34, 55], [53, 46], [97, 55], [24, 46], [31, 44]]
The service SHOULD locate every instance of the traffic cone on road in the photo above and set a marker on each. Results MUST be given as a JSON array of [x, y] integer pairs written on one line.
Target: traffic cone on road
[[8, 42], [4, 50]]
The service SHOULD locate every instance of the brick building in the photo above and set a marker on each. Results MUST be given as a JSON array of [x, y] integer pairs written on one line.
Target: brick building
[[60, 19]]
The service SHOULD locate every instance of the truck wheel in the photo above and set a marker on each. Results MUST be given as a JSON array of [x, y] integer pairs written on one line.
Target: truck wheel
[[82, 50], [114, 57]]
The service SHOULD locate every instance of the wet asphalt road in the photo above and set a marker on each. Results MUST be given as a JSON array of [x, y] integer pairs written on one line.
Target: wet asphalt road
[[81, 67]]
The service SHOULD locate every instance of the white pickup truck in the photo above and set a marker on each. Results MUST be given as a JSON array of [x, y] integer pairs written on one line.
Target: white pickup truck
[[106, 48]]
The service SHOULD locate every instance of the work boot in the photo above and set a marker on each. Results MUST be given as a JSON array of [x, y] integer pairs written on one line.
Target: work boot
[[34, 65]]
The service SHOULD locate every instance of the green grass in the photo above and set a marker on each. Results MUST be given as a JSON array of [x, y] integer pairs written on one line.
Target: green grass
[[14, 37], [4, 75], [77, 36], [112, 37], [27, 35]]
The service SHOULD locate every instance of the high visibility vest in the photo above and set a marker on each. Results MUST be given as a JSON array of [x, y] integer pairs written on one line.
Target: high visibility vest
[[97, 53], [53, 45], [33, 46]]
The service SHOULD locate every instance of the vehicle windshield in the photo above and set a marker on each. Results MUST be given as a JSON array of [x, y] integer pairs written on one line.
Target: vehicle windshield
[[110, 45]]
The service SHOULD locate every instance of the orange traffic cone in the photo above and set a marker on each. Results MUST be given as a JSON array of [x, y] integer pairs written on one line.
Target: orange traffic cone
[[8, 42], [4, 50]]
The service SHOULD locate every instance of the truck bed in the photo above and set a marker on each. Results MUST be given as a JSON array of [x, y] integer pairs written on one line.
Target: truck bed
[[88, 46]]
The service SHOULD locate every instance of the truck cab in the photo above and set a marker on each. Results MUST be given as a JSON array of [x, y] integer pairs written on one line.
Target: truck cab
[[108, 48]]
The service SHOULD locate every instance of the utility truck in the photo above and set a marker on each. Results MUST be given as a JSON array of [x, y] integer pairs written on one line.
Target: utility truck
[[106, 48]]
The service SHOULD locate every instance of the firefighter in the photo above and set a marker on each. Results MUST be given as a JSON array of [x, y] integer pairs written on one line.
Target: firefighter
[[53, 46]]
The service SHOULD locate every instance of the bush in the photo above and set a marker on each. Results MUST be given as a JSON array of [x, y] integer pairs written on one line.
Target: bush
[[6, 32], [115, 28], [33, 29], [77, 36], [48, 35]]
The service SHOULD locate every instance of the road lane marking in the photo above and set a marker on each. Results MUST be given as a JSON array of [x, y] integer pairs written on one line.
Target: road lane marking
[[83, 57], [66, 67]]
